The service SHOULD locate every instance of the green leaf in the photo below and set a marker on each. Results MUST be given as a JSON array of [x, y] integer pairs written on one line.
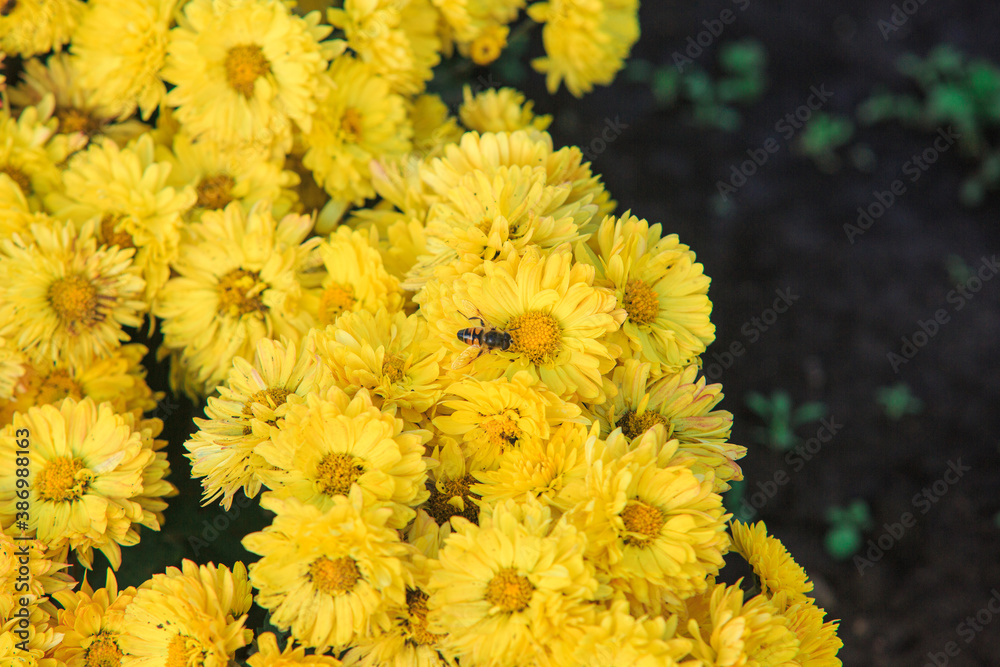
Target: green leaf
[[842, 542]]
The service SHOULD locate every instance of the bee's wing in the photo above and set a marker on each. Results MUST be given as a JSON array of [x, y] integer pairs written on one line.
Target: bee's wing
[[471, 312], [467, 356]]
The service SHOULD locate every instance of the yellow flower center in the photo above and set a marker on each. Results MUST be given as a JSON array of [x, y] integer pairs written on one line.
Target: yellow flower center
[[452, 497], [535, 335], [110, 236], [74, 298], [487, 47], [415, 625], [509, 590], [214, 192], [643, 522], [336, 472], [18, 176], [640, 302], [57, 386], [501, 432], [72, 120], [184, 651], [63, 479], [334, 577], [633, 425], [351, 123], [244, 65], [394, 367], [335, 300], [240, 293], [271, 398], [103, 651]]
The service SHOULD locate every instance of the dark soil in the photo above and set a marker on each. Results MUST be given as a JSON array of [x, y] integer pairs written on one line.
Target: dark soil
[[855, 303]]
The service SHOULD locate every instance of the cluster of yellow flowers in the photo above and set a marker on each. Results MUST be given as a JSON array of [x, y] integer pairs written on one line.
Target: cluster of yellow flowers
[[473, 406]]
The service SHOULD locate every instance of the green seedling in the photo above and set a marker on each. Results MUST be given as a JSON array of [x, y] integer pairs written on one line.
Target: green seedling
[[843, 539], [898, 401], [712, 99], [781, 419], [953, 91], [822, 136]]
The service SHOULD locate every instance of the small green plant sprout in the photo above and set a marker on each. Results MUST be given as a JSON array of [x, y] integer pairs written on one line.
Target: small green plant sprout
[[958, 271], [821, 137], [898, 401], [957, 92], [780, 418], [712, 100], [847, 524]]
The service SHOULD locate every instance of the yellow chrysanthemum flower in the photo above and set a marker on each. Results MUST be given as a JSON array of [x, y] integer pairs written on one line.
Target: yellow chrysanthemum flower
[[15, 212], [30, 646], [400, 245], [268, 655], [42, 575], [502, 415], [221, 175], [515, 590], [30, 27], [194, 614], [76, 108], [94, 476], [355, 279], [408, 643], [237, 283], [398, 38], [223, 451], [119, 379], [64, 300], [484, 217], [774, 567], [31, 151], [334, 443], [13, 366], [244, 70], [540, 468], [479, 27], [358, 119], [786, 585], [499, 110], [682, 403], [492, 189], [654, 527], [393, 356], [621, 640], [818, 640], [725, 630], [330, 576], [586, 41], [555, 317], [92, 623], [126, 188], [433, 126], [124, 72], [661, 287], [450, 493]]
